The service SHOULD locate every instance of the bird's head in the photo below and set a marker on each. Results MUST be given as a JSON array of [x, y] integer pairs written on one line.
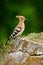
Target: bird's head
[[21, 18]]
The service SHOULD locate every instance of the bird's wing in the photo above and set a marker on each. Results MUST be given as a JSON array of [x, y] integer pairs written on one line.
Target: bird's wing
[[15, 32]]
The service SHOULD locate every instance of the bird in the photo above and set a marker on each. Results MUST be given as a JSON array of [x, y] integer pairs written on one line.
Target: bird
[[19, 29]]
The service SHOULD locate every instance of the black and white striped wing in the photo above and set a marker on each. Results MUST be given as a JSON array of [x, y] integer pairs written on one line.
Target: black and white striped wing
[[15, 33]]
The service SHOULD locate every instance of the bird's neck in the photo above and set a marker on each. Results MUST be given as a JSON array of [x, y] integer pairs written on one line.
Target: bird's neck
[[21, 23]]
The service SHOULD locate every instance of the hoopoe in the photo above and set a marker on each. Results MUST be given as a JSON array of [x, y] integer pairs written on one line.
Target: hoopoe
[[19, 28]]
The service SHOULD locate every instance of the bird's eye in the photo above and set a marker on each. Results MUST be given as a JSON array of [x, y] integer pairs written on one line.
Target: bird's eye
[[22, 18]]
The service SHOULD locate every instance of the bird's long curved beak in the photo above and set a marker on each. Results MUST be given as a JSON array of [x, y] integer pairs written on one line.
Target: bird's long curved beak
[[26, 19]]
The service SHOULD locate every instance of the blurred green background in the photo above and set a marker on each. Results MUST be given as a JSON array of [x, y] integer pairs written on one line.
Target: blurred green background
[[31, 9]]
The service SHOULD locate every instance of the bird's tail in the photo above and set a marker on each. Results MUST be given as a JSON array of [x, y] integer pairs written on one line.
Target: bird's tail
[[6, 42]]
